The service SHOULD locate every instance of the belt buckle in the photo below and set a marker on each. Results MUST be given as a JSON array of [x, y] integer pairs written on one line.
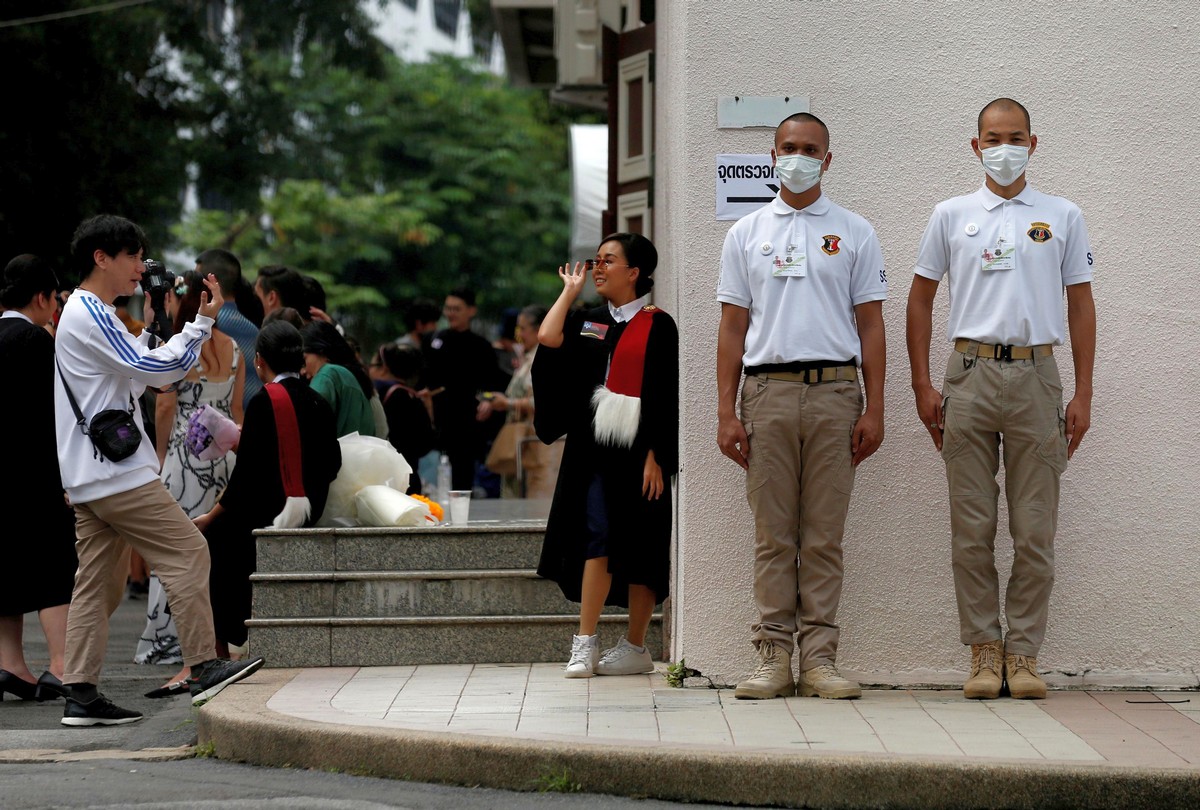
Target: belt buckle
[[1003, 352], [810, 372]]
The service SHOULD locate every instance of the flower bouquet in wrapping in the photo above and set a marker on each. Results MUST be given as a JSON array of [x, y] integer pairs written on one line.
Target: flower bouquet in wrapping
[[210, 434]]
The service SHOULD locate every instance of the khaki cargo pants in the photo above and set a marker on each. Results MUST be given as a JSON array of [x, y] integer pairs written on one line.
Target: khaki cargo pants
[[799, 486], [1021, 401]]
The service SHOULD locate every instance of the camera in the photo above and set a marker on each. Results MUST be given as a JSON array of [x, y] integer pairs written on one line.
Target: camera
[[155, 282]]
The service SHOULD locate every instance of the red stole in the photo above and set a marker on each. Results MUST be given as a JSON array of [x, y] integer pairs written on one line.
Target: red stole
[[617, 403], [297, 508]]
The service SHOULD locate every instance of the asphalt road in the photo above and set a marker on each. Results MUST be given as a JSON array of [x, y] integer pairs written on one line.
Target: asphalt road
[[103, 769], [168, 722]]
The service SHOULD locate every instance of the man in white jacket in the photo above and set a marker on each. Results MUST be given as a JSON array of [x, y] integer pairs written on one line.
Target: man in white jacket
[[123, 503]]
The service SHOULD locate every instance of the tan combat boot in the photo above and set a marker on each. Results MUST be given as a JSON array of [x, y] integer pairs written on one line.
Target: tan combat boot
[[772, 678], [987, 669], [825, 681], [1024, 683]]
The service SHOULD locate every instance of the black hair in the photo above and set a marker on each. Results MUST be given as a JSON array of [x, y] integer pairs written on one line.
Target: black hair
[[639, 253], [421, 310], [24, 278], [508, 323], [106, 232], [286, 314], [1004, 103], [536, 313], [465, 293], [287, 283], [225, 266], [280, 346], [189, 302], [403, 362], [805, 117], [247, 302], [314, 294], [324, 339]]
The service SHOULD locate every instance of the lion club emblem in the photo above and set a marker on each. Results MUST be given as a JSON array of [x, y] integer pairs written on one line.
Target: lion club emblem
[[1039, 232], [830, 245]]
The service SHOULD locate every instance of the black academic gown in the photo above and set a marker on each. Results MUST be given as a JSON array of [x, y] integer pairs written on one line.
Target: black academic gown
[[255, 496], [639, 529], [37, 530]]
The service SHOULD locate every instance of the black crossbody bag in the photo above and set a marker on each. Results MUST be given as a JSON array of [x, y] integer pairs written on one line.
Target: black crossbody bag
[[114, 433]]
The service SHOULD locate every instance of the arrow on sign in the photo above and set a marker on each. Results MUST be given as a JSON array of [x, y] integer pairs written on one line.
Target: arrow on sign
[[774, 191]]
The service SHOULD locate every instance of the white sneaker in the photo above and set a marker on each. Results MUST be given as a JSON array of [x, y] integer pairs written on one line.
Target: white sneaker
[[584, 652], [625, 659]]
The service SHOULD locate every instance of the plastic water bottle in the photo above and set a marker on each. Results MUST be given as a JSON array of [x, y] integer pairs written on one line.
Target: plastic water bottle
[[444, 483]]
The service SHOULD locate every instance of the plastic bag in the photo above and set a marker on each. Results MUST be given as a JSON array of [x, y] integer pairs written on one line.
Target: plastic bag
[[366, 461], [384, 506], [211, 434]]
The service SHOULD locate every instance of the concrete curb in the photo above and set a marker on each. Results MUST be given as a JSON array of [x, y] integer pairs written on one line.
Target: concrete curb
[[241, 728]]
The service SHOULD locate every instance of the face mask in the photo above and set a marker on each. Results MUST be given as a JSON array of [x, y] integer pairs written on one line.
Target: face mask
[[1005, 163], [798, 173]]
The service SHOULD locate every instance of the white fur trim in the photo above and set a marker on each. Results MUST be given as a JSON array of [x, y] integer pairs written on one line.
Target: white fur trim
[[295, 513], [616, 417]]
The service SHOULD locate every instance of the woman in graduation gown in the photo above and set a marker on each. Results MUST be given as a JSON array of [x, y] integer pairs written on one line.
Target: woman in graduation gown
[[267, 487], [39, 560], [608, 379]]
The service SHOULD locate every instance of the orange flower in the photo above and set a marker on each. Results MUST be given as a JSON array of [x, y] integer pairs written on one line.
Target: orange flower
[[435, 509]]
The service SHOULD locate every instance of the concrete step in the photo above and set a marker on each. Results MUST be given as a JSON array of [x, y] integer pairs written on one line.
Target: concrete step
[[496, 592], [424, 549], [405, 641]]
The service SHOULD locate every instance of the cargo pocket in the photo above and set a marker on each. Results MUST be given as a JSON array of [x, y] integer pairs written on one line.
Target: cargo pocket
[[955, 419], [758, 474], [1053, 448]]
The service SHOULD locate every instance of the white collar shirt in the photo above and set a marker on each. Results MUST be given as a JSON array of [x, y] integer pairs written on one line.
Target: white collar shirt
[[12, 313], [287, 375], [626, 312], [810, 317], [1021, 305]]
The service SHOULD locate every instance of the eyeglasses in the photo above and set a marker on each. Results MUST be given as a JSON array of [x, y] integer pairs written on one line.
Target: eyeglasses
[[590, 264]]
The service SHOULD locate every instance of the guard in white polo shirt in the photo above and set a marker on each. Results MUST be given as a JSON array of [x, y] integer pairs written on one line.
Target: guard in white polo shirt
[[801, 292], [1008, 251]]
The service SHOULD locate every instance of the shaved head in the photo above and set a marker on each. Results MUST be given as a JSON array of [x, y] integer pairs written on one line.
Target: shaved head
[[803, 117], [1005, 104]]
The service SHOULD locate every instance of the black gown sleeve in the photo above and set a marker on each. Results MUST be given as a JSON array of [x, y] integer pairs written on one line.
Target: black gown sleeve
[[256, 449], [559, 383], [660, 393]]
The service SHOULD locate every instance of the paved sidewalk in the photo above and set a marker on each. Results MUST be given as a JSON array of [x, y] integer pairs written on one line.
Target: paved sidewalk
[[509, 725]]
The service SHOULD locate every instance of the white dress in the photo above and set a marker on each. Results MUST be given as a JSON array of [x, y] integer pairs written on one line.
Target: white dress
[[196, 485]]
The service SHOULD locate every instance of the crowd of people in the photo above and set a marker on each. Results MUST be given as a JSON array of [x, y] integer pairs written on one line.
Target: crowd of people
[[131, 489]]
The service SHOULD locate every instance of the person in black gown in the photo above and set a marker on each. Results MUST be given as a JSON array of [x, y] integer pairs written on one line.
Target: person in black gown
[[608, 379], [256, 493], [39, 563]]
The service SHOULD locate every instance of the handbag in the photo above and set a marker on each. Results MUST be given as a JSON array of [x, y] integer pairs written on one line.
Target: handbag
[[114, 433], [502, 458]]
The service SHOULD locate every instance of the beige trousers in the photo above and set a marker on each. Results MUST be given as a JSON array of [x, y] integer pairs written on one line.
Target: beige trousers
[[150, 521], [799, 486], [1017, 405]]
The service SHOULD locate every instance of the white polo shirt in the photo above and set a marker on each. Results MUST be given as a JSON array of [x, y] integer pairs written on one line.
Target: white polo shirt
[[1015, 298], [801, 310]]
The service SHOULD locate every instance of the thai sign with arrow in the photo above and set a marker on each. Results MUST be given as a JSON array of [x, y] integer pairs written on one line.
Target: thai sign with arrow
[[744, 184]]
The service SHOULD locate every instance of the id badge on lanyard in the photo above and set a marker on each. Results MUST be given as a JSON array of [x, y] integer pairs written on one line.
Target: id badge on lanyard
[[793, 261], [1001, 255]]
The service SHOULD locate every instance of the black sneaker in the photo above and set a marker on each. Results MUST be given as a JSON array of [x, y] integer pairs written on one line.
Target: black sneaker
[[215, 675], [99, 711]]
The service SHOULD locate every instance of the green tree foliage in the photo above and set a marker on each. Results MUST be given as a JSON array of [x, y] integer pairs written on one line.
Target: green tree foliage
[[433, 175], [90, 125], [310, 145]]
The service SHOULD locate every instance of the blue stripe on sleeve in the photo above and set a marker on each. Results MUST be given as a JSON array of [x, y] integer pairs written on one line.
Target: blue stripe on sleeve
[[126, 354]]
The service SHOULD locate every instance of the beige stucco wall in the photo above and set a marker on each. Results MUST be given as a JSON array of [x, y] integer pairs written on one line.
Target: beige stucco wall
[[1113, 95]]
